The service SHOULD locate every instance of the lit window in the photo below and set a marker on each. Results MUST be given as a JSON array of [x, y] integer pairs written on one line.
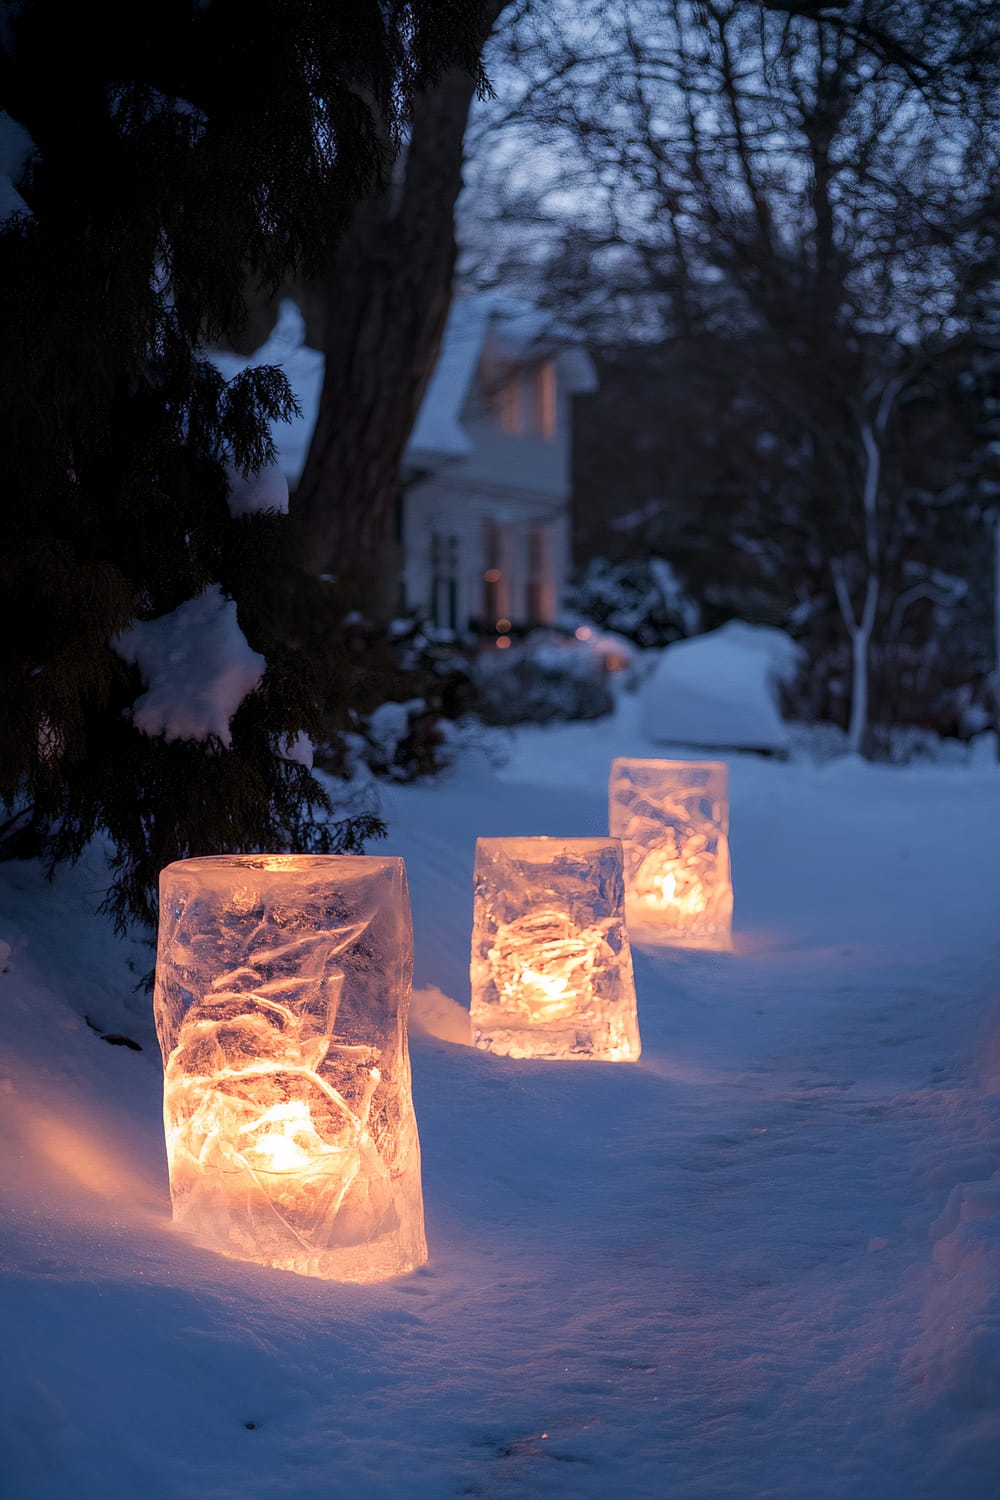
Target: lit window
[[546, 386], [509, 398], [537, 583], [494, 592]]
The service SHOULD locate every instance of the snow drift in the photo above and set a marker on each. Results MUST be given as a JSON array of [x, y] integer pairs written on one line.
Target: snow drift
[[720, 690]]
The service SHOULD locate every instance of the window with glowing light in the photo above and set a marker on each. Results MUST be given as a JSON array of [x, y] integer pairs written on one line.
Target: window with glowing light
[[537, 589], [494, 589], [509, 405], [545, 389]]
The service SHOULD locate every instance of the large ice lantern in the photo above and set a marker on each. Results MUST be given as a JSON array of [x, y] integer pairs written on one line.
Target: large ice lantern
[[551, 964], [282, 989], [672, 817]]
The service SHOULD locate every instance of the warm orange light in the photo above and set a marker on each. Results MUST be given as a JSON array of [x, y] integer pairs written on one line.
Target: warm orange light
[[503, 642], [282, 984], [542, 967], [583, 632], [547, 399], [551, 966], [673, 885], [492, 575], [673, 820], [88, 1150], [503, 626]]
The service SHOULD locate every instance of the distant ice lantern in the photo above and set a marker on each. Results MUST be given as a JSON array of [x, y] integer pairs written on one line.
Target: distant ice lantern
[[282, 989], [672, 817], [551, 964]]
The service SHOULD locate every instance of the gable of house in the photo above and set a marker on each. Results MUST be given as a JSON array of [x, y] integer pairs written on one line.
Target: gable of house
[[486, 530]]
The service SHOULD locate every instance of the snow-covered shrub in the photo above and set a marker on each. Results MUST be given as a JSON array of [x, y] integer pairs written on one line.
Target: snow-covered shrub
[[409, 686], [543, 678], [722, 689], [642, 599], [403, 741]]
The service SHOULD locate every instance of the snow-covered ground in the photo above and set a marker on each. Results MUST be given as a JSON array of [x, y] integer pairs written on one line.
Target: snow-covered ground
[[752, 1264]]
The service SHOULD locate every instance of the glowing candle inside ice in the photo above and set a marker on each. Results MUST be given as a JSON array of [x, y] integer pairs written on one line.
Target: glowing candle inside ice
[[551, 964], [282, 986], [672, 817]]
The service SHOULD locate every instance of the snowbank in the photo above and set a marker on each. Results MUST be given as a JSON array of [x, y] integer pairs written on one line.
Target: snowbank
[[265, 491], [197, 667], [16, 146], [304, 368], [721, 689]]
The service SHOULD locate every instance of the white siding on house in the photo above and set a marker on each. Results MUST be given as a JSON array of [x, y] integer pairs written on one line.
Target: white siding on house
[[500, 500], [468, 518]]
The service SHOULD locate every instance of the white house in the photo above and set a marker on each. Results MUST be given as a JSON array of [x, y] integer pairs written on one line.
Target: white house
[[485, 515]]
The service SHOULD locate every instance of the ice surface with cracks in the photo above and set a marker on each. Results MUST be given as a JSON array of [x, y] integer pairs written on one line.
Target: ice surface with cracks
[[282, 987], [551, 964], [672, 817]]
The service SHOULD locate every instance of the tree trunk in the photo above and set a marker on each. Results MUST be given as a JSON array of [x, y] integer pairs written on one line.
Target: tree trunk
[[861, 645], [387, 297]]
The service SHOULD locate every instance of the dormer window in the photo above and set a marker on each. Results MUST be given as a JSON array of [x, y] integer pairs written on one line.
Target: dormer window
[[509, 402], [526, 401], [545, 388]]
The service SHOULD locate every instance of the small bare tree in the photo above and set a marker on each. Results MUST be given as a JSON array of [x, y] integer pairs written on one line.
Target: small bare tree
[[790, 188]]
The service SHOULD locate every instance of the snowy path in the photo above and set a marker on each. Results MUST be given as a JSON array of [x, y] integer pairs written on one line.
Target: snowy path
[[708, 1274]]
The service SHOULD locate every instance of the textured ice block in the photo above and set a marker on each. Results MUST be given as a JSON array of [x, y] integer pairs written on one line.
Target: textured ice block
[[672, 817], [551, 963], [282, 989]]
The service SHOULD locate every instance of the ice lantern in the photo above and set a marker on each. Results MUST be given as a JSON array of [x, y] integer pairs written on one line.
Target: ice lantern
[[672, 817], [551, 963], [282, 987]]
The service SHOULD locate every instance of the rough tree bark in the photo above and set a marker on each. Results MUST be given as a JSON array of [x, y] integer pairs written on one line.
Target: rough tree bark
[[386, 297]]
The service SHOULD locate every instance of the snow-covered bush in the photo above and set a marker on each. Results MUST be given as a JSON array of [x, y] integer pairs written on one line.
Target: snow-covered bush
[[409, 687], [540, 679], [722, 689], [642, 599]]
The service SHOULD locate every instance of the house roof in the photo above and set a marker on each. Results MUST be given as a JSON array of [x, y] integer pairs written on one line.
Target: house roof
[[521, 331], [438, 429]]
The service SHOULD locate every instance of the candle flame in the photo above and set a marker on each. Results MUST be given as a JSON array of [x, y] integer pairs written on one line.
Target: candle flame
[[674, 885], [544, 965], [284, 1139]]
